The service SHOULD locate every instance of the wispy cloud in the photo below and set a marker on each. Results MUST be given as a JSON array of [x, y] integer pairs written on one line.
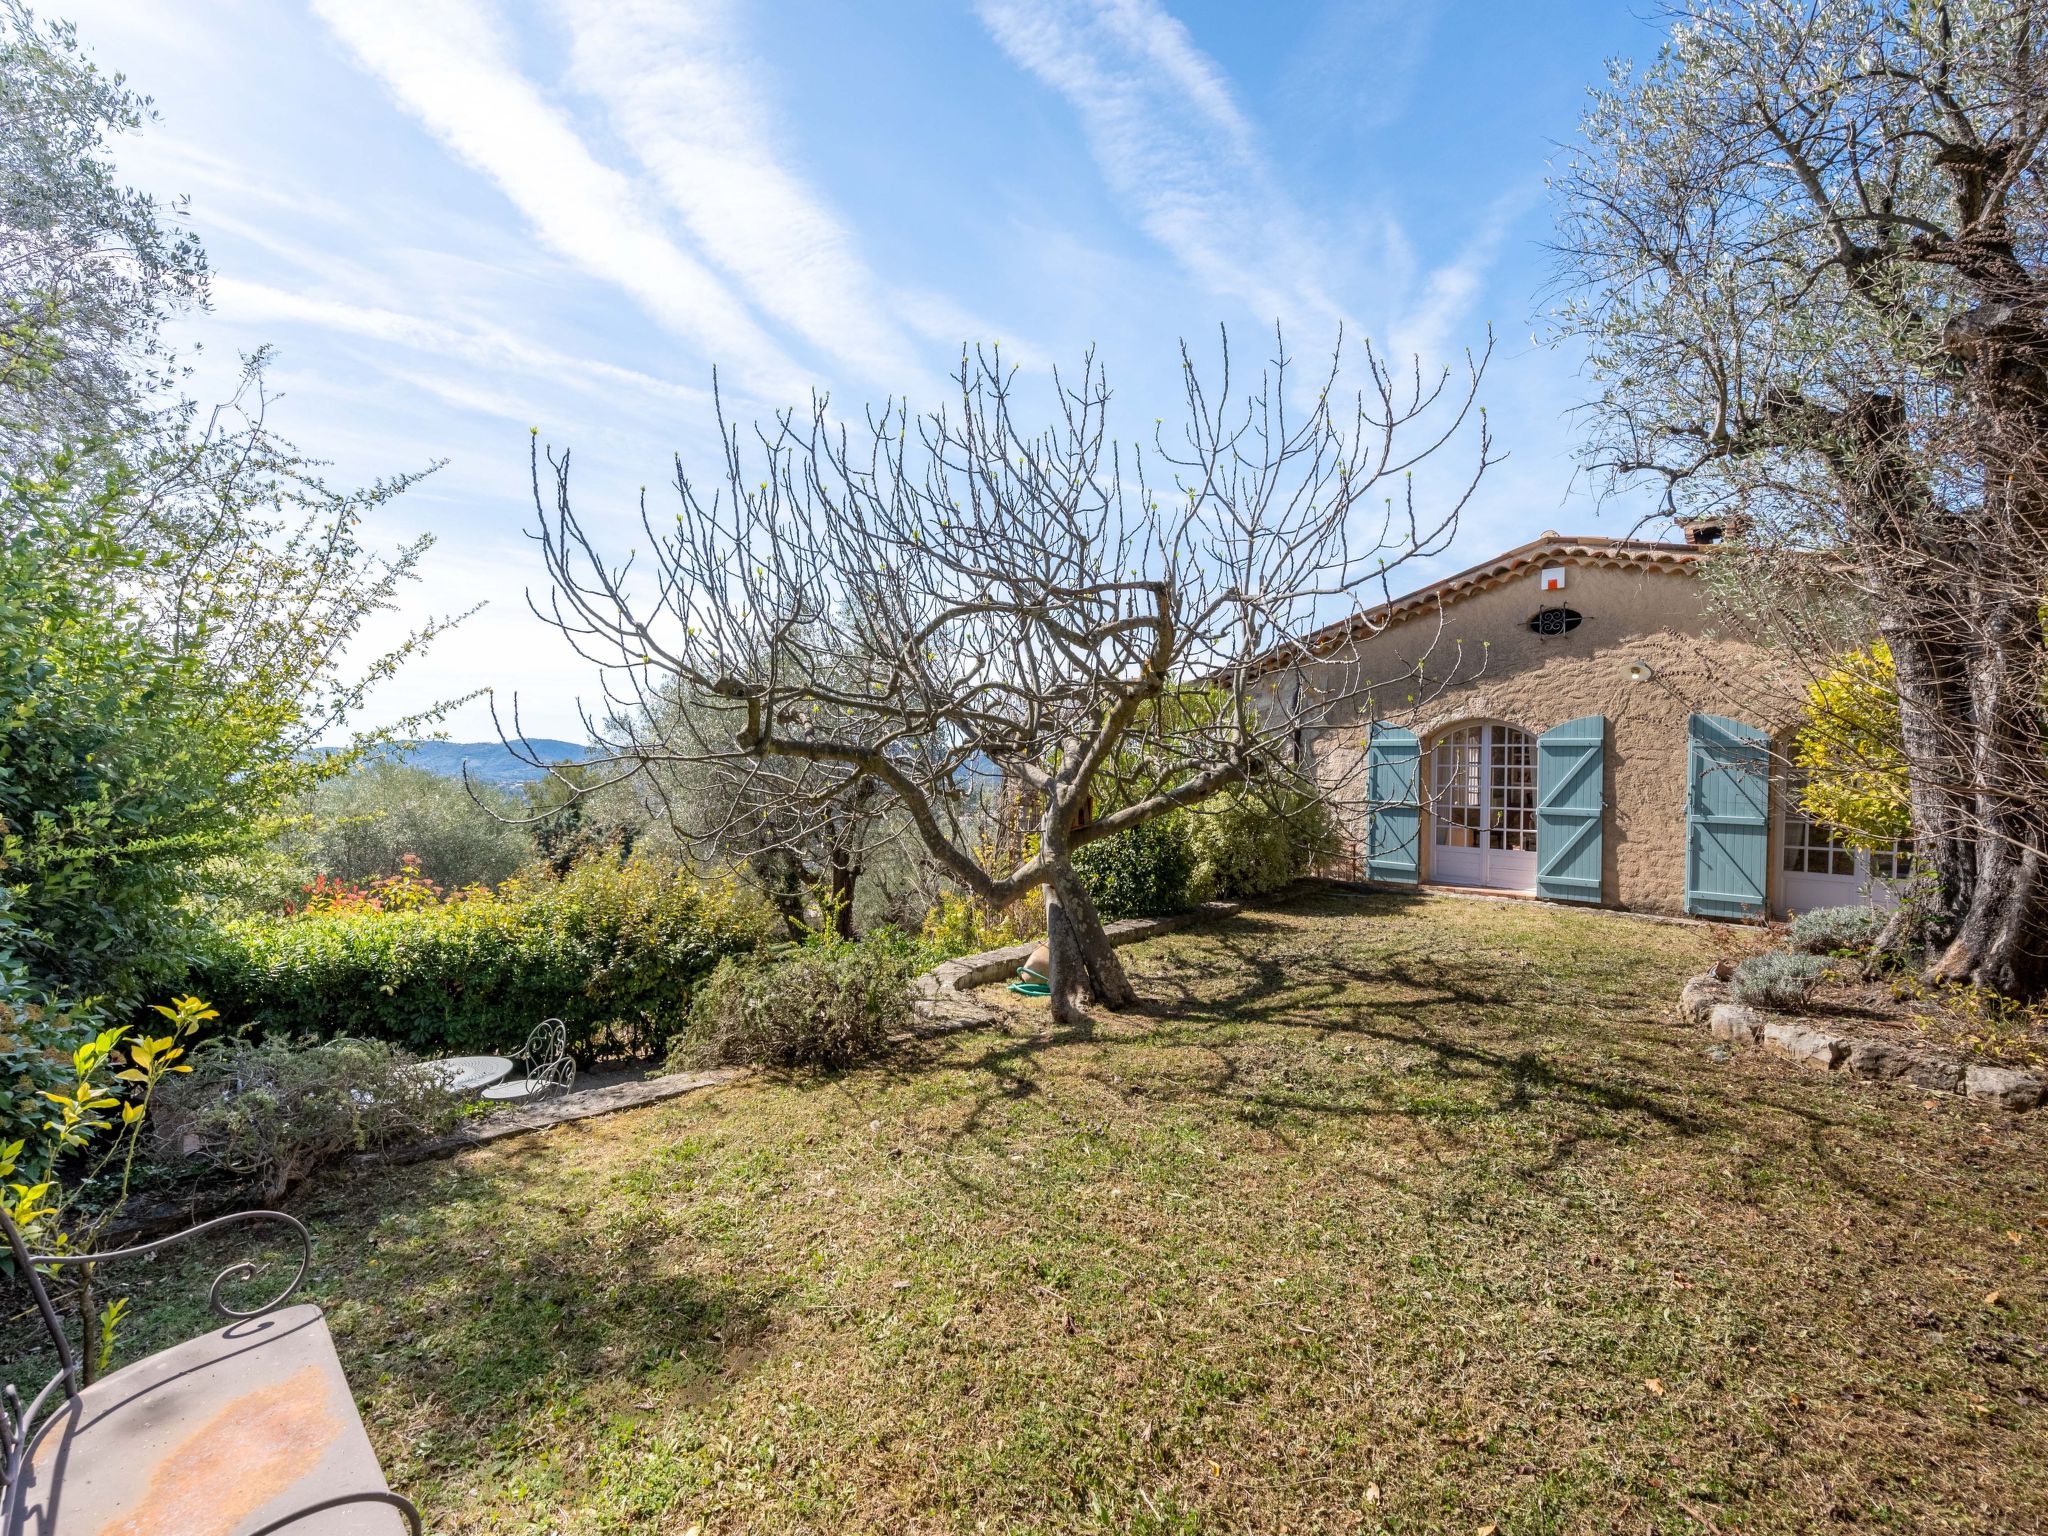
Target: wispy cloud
[[488, 346], [679, 87], [466, 394], [1172, 143], [447, 63], [1384, 39], [249, 180], [1171, 140], [1426, 327]]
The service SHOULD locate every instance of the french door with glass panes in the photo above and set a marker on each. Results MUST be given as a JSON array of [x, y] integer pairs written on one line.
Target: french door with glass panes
[[1482, 804], [1822, 870]]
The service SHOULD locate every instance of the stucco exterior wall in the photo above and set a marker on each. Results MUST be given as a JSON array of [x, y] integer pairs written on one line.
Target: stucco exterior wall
[[1480, 662]]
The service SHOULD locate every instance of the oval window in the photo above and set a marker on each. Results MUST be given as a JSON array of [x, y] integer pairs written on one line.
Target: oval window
[[1555, 621]]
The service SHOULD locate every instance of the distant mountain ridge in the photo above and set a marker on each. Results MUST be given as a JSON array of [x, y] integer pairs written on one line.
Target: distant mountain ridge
[[490, 762]]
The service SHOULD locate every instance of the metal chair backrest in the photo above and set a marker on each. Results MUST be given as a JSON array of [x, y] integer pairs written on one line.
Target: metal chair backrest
[[550, 1069], [27, 1270], [548, 1043]]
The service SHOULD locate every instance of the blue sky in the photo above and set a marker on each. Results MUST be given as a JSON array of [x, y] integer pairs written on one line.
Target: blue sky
[[456, 220]]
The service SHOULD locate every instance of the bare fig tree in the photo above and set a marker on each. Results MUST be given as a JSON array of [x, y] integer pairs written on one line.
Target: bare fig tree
[[929, 605], [1808, 252]]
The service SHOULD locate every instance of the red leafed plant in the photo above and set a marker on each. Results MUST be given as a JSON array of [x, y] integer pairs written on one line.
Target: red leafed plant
[[406, 891]]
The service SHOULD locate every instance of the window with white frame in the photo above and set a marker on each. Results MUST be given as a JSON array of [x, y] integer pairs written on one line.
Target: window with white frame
[[1457, 804], [1814, 848], [1483, 788], [1513, 822]]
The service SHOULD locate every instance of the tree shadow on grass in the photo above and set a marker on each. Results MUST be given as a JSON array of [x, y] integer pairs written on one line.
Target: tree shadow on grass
[[1462, 1039], [538, 1315]]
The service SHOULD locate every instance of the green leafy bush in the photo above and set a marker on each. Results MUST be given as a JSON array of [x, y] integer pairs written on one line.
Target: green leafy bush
[[1249, 841], [956, 924], [35, 1058], [1833, 930], [614, 950], [1259, 839], [821, 1007], [181, 595], [1141, 872], [273, 1110], [269, 878], [36, 1042], [1776, 980], [110, 779]]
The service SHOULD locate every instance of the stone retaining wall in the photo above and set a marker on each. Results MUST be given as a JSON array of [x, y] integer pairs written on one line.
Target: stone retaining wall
[[1705, 1001]]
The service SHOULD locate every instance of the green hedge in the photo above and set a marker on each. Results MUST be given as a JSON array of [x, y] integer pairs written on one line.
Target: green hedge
[[614, 950], [1244, 842], [1140, 873]]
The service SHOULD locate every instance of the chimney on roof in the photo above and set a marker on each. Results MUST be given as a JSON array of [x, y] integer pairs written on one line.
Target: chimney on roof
[[1709, 528]]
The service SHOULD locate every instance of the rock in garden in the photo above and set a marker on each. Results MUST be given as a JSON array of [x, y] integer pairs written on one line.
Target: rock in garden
[[1875, 1058], [1805, 1043], [1737, 1022], [1699, 996], [1935, 1072], [2004, 1087]]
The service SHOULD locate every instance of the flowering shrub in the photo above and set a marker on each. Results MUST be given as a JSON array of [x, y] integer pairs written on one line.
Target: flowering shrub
[[1252, 842], [1852, 753], [406, 891], [614, 950]]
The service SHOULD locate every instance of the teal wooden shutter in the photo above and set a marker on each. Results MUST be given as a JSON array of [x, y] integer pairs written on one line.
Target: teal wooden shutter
[[1394, 838], [1570, 809], [1727, 817]]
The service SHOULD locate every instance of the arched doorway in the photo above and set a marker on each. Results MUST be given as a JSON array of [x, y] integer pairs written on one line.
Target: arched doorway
[[1482, 806]]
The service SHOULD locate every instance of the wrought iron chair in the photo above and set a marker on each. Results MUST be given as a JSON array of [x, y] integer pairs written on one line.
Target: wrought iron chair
[[549, 1068], [138, 1418]]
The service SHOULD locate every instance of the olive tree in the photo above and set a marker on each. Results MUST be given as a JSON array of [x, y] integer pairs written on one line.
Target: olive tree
[[922, 607], [182, 595], [1805, 250], [810, 858], [89, 268]]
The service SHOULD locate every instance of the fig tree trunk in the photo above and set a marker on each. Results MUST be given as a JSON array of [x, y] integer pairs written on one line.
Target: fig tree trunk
[[1084, 968], [842, 878], [782, 880]]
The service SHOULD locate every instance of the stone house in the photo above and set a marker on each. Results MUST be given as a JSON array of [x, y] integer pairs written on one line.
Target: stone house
[[1567, 721]]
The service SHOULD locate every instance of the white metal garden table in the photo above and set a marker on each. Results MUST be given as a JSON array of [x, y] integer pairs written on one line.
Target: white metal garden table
[[467, 1074]]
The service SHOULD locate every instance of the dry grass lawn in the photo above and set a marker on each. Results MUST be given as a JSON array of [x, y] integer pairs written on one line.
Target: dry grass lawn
[[1386, 1215]]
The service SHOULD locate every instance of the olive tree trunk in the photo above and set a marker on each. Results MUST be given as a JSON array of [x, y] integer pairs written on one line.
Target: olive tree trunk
[[842, 879], [2000, 908]]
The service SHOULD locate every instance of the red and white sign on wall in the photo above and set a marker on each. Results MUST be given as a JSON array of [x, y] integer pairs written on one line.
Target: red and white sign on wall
[[1553, 578]]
